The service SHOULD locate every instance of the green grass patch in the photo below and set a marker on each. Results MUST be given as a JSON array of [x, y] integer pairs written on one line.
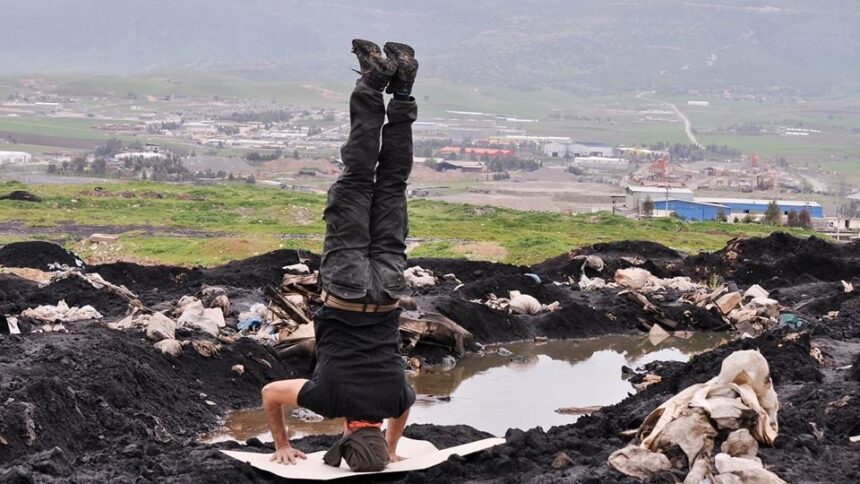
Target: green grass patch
[[191, 225]]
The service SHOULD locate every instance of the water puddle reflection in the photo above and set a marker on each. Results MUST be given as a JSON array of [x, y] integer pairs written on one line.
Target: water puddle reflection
[[495, 392]]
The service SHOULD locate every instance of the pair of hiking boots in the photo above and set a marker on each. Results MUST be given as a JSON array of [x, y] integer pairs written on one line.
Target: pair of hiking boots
[[395, 72]]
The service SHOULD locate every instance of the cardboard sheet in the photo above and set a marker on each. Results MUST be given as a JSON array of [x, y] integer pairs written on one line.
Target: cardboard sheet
[[419, 454]]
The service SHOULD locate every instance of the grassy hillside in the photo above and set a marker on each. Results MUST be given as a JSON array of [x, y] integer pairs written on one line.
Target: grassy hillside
[[191, 225]]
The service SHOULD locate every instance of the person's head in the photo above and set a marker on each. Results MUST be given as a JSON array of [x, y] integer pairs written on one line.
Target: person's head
[[364, 450]]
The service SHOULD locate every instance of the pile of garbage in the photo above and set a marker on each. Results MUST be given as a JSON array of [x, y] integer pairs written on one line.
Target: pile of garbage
[[749, 312], [518, 303], [739, 406]]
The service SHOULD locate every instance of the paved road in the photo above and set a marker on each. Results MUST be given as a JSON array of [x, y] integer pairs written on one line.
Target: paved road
[[688, 127]]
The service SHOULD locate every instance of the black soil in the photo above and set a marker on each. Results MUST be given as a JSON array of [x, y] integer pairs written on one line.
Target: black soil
[[97, 405], [36, 255]]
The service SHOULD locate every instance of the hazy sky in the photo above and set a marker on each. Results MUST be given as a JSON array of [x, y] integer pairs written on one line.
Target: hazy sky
[[581, 44]]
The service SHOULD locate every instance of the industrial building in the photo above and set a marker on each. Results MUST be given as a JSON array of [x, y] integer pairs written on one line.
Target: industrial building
[[579, 148], [683, 204], [636, 195], [10, 157], [692, 211], [745, 206]]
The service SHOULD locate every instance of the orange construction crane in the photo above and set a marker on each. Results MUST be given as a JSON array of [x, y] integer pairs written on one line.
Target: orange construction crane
[[660, 170]]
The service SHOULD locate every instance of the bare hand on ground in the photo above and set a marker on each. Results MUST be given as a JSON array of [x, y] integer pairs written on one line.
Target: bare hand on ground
[[287, 455]]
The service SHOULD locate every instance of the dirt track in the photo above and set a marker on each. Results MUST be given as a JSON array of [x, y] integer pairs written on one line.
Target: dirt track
[[102, 405]]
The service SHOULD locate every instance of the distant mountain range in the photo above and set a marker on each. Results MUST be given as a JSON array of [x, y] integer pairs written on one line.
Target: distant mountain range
[[588, 46]]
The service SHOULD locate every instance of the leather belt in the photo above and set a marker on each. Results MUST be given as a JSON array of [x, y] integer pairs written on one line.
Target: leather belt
[[356, 307]]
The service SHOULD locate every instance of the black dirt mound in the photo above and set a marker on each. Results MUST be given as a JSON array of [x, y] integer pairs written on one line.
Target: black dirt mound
[[36, 255], [22, 196], [658, 259], [85, 390], [486, 325], [855, 368], [465, 270], [160, 283], [259, 271], [501, 285], [12, 290], [780, 260], [74, 291], [845, 325], [152, 284]]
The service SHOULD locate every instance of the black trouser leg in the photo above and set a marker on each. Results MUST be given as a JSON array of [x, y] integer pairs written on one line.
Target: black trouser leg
[[388, 217], [345, 269]]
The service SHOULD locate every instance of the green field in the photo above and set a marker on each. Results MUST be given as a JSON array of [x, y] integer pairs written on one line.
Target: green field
[[78, 128], [192, 225]]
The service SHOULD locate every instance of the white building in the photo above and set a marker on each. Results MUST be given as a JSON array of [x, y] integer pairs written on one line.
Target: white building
[[637, 195], [12, 157], [198, 129], [579, 148]]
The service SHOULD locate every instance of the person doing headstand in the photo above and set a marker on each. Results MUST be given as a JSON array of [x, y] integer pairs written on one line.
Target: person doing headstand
[[359, 372]]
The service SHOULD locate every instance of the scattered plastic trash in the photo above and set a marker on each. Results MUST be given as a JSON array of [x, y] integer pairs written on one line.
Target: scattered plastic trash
[[249, 322], [297, 268], [418, 277], [61, 313], [533, 277], [791, 321], [504, 352]]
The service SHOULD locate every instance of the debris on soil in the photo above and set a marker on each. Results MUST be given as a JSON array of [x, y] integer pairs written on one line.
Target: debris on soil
[[740, 399], [37, 255], [69, 402]]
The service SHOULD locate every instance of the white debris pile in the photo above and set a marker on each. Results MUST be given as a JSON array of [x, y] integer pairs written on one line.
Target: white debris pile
[[417, 277], [518, 303], [740, 401], [193, 314], [642, 281], [750, 312], [61, 313]]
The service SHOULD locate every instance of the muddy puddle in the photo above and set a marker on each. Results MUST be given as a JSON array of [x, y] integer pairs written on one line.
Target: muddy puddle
[[498, 390]]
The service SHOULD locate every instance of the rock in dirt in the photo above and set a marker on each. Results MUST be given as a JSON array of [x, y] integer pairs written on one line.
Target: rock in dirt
[[238, 369], [208, 320], [740, 443], [170, 347], [37, 255], [159, 327], [102, 238], [755, 291], [561, 461]]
